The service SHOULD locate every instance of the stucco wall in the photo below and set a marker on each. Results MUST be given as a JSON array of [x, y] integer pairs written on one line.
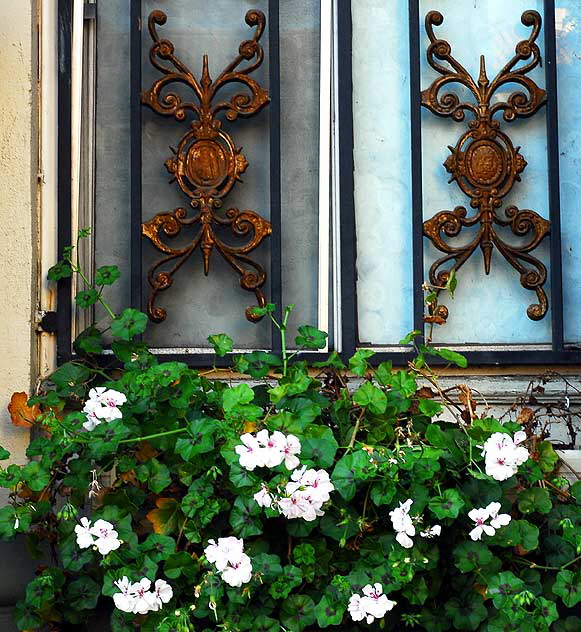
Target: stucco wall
[[18, 170]]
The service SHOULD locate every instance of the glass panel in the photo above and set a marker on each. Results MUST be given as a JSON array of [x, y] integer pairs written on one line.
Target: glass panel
[[487, 309], [381, 113], [198, 305], [568, 27]]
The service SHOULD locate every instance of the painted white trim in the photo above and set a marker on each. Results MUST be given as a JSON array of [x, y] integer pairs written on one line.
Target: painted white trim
[[47, 176], [325, 94]]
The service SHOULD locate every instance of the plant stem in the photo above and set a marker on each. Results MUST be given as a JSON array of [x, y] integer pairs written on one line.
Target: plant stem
[[525, 562], [356, 430], [76, 268], [154, 436]]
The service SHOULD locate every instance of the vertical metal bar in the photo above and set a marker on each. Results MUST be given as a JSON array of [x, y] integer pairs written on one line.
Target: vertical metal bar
[[346, 178], [553, 173], [135, 132], [416, 164], [275, 166], [65, 20]]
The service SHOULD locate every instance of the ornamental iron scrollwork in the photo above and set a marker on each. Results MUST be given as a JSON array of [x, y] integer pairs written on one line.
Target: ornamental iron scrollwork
[[206, 164], [485, 164]]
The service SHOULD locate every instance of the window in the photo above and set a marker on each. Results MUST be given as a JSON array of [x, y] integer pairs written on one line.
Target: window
[[345, 162]]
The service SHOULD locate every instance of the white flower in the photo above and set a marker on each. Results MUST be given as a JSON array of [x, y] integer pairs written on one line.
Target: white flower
[[102, 405], [297, 506], [144, 599], [402, 524], [263, 497], [251, 454], [107, 538], [85, 538], [290, 448], [357, 608], [373, 605], [225, 551], [504, 454], [497, 520], [239, 572], [479, 516], [272, 447], [163, 594], [124, 600], [431, 532]]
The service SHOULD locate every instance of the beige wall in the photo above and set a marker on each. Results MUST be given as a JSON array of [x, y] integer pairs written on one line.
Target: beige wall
[[18, 174]]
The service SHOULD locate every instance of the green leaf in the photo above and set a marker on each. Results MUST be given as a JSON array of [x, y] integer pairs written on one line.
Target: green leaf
[[466, 612], [61, 270], [4, 454], [471, 556], [107, 275], [83, 593], [534, 499], [158, 547], [517, 533], [383, 373], [333, 361], [256, 364], [89, 341], [244, 519], [349, 469], [329, 612], [448, 355], [319, 446], [166, 517], [268, 565], [222, 344], [358, 362], [447, 505], [382, 492], [298, 612], [233, 398], [155, 474], [404, 382], [311, 338], [269, 308], [180, 564], [503, 587], [290, 578], [199, 441], [429, 407], [370, 397], [568, 587], [409, 337], [86, 298], [129, 324], [547, 458]]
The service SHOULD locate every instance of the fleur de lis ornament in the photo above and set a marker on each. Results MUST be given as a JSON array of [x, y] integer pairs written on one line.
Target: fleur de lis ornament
[[206, 164], [485, 164]]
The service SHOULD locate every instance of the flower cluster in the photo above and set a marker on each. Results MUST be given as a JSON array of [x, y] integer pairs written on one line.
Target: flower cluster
[[480, 516], [268, 450], [504, 454], [101, 535], [230, 560], [404, 526], [304, 495], [102, 405], [137, 598], [372, 605]]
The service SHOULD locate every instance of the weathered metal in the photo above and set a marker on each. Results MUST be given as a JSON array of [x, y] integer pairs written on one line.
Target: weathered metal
[[485, 164], [206, 164]]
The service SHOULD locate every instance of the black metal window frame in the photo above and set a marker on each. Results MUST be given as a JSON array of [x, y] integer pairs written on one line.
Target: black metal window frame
[[558, 354]]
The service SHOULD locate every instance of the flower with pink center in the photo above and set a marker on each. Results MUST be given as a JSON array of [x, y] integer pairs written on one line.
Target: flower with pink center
[[264, 498], [85, 538], [272, 447], [102, 405], [238, 572], [373, 605], [497, 520], [163, 593], [107, 538], [480, 516], [250, 453], [290, 448], [144, 599], [224, 552]]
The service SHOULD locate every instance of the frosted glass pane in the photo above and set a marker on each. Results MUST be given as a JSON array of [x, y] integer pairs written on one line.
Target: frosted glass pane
[[568, 25], [381, 113], [487, 309]]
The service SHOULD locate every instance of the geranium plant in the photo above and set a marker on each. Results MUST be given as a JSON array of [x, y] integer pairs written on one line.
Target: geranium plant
[[342, 496]]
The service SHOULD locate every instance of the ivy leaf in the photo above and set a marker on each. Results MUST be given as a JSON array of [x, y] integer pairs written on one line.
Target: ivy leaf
[[298, 612], [370, 397], [320, 446], [4, 454], [107, 275], [83, 593], [256, 364], [546, 456], [180, 564], [166, 517], [534, 499], [290, 578], [409, 337], [89, 341], [358, 362], [382, 492], [311, 338], [450, 356], [383, 373], [155, 474], [429, 407], [568, 587], [243, 517], [349, 469], [234, 398], [86, 298], [128, 324], [222, 344], [518, 533], [466, 612], [268, 565], [447, 505], [503, 587], [329, 612], [471, 556], [61, 270], [269, 308], [158, 547]]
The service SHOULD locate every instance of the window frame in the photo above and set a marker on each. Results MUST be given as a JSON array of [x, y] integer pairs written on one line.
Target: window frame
[[341, 217]]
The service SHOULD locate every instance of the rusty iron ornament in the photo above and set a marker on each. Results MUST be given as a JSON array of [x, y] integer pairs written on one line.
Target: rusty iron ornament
[[484, 162], [206, 164]]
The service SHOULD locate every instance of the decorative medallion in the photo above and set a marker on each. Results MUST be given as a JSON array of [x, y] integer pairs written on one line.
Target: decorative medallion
[[485, 164], [206, 164]]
